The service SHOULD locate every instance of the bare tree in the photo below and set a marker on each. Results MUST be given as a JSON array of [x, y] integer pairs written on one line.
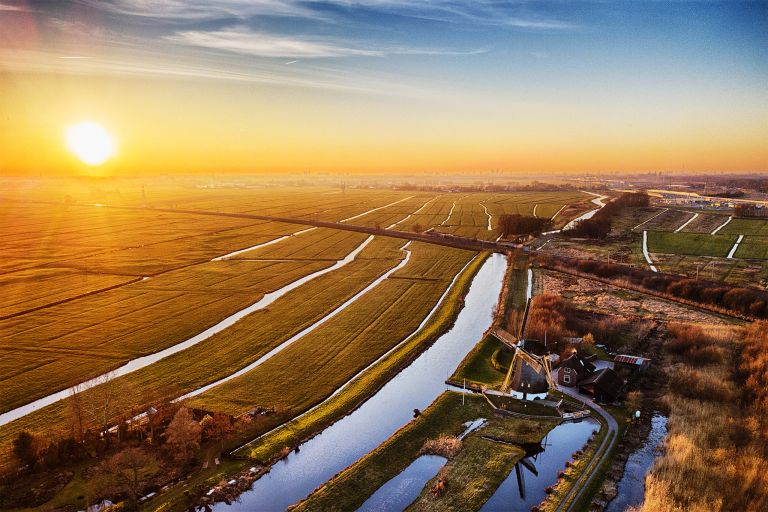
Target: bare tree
[[128, 469], [75, 408]]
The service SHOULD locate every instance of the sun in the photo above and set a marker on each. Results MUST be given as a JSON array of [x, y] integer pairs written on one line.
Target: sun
[[91, 142]]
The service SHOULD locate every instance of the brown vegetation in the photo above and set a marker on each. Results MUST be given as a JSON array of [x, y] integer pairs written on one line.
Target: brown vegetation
[[548, 319], [445, 446], [742, 301], [516, 224], [693, 345], [715, 457]]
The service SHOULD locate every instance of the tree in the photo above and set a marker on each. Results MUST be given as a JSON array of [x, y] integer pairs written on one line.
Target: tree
[[128, 469], [25, 449], [182, 436], [217, 427]]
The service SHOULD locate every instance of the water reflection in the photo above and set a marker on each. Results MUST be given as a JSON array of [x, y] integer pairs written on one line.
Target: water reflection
[[525, 486]]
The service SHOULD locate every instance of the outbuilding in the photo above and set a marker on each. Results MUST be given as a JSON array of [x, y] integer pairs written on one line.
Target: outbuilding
[[605, 384], [631, 363]]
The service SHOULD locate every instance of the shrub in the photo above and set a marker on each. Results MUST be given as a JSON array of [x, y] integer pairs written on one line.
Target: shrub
[[445, 446], [700, 386]]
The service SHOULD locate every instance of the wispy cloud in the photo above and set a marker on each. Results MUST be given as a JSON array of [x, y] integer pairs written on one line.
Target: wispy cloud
[[276, 74], [520, 15], [242, 40], [12, 8], [200, 10], [245, 41]]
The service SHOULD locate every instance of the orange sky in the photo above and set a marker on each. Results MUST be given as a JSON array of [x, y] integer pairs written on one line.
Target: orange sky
[[557, 100]]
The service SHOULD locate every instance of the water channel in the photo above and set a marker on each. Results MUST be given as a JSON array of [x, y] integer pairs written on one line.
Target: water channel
[[415, 387]]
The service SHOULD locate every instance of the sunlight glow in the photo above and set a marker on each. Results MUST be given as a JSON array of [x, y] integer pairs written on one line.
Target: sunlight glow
[[92, 144]]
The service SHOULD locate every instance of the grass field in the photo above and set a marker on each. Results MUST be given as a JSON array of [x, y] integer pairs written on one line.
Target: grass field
[[694, 244], [327, 357], [753, 227], [753, 247], [478, 368], [471, 477]]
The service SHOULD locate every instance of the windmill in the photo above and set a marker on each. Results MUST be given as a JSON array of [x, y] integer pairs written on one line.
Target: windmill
[[525, 368]]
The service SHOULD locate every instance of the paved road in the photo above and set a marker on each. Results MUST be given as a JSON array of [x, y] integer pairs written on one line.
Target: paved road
[[585, 478]]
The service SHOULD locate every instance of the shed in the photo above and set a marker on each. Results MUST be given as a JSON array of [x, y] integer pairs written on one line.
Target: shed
[[604, 384], [632, 363]]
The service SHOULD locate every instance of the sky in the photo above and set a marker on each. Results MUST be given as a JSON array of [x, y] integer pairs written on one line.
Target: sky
[[386, 86]]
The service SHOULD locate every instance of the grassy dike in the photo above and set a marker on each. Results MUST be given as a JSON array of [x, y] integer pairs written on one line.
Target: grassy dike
[[487, 363], [471, 477]]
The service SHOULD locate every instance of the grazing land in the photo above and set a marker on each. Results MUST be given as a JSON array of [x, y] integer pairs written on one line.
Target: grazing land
[[695, 244]]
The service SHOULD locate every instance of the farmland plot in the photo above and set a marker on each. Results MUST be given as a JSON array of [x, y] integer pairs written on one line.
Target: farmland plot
[[27, 289], [705, 223], [318, 244], [753, 227], [695, 244], [108, 329], [753, 247], [318, 363], [668, 220], [239, 344]]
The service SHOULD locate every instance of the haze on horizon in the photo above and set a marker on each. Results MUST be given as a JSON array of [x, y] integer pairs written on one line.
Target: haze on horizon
[[386, 85]]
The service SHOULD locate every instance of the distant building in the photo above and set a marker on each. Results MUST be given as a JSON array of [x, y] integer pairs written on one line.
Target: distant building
[[574, 369], [631, 363], [604, 385]]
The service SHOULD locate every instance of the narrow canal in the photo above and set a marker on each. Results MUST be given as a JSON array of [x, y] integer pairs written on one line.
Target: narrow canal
[[526, 485], [415, 387], [631, 488]]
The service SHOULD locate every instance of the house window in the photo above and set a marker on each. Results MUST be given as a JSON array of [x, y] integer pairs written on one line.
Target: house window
[[567, 378]]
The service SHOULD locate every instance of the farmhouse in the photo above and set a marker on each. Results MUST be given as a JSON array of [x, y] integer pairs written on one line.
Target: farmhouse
[[604, 384], [574, 369], [631, 364]]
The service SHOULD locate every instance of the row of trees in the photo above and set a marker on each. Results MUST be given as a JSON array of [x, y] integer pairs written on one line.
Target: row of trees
[[748, 302], [516, 224], [135, 464], [599, 226]]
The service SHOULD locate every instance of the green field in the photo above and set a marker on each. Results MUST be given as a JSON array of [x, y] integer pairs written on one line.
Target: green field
[[478, 366], [753, 247], [694, 244], [753, 227]]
